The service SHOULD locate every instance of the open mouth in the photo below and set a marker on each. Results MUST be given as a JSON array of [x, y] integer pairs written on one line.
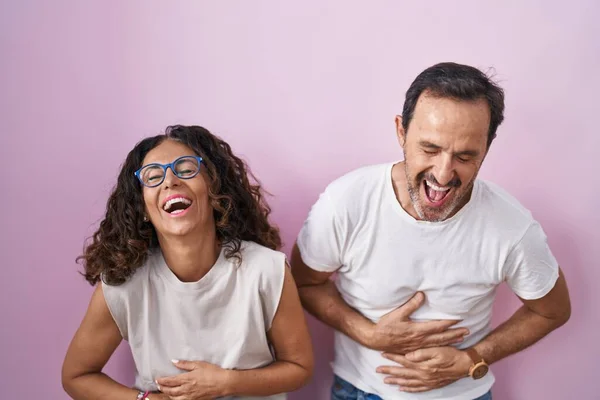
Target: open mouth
[[176, 205], [436, 194]]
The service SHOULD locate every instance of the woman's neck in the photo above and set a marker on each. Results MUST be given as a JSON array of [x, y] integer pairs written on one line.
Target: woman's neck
[[190, 257]]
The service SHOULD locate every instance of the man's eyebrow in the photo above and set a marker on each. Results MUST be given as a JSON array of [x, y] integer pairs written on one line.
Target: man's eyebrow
[[468, 153], [424, 143], [429, 145]]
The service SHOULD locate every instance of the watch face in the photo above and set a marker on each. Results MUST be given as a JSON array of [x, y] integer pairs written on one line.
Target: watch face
[[480, 371]]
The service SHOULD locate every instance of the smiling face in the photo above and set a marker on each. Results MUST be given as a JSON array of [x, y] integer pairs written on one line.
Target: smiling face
[[177, 206], [443, 150]]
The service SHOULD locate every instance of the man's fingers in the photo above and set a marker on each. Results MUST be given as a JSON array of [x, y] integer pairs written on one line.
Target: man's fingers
[[394, 357], [408, 383], [415, 389], [421, 355], [451, 336], [425, 386], [412, 304], [431, 327], [399, 372], [400, 359]]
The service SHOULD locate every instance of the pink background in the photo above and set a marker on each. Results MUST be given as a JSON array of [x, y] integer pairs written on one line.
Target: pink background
[[305, 91]]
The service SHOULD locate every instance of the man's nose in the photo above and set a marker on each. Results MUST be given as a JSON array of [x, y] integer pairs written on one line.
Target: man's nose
[[444, 171]]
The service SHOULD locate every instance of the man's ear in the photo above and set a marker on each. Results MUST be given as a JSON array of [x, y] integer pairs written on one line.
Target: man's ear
[[400, 132]]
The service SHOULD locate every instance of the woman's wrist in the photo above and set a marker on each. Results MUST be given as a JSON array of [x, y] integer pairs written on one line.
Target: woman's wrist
[[230, 382]]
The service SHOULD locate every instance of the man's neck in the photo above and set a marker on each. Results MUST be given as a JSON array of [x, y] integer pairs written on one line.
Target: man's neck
[[401, 189], [190, 257]]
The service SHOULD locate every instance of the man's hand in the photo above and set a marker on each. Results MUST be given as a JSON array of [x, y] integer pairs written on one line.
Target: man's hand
[[396, 333], [204, 381], [426, 369]]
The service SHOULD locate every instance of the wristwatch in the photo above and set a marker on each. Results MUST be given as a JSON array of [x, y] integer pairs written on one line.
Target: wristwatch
[[479, 367]]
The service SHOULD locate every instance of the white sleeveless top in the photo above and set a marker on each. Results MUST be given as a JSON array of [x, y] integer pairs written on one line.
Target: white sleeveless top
[[221, 319]]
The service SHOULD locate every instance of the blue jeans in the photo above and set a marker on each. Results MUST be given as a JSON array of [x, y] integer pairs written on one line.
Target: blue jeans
[[343, 390]]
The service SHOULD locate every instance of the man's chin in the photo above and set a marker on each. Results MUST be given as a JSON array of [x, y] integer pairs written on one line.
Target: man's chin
[[433, 218], [434, 214]]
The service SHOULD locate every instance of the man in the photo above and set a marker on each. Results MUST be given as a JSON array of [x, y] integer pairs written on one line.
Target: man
[[419, 247]]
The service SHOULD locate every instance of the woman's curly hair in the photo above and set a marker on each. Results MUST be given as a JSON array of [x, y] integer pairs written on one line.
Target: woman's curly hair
[[121, 243]]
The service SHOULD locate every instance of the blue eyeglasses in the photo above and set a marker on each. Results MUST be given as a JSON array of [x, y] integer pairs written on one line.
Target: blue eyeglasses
[[152, 175]]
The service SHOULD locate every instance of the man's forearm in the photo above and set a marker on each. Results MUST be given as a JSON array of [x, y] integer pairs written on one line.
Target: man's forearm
[[520, 331], [324, 302]]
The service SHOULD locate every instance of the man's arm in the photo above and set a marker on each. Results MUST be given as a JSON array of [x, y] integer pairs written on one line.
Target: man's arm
[[393, 332], [320, 298], [534, 320], [428, 369]]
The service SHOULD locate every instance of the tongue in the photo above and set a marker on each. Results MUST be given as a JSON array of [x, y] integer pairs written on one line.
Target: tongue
[[435, 195]]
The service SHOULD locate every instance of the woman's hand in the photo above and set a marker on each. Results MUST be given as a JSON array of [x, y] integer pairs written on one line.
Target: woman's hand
[[203, 381], [158, 396]]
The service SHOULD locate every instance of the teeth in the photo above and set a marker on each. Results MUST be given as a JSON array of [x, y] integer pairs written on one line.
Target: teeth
[[169, 203], [437, 188]]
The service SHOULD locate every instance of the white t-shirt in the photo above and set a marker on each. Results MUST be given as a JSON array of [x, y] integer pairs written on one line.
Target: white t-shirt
[[221, 319], [383, 256]]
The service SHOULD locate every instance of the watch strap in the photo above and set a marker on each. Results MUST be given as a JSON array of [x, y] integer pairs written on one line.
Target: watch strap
[[474, 356]]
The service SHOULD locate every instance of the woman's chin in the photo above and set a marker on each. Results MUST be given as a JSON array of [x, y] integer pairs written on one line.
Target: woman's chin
[[180, 229]]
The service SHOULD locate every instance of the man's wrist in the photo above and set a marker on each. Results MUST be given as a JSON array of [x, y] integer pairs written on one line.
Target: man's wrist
[[366, 335], [465, 363], [483, 349]]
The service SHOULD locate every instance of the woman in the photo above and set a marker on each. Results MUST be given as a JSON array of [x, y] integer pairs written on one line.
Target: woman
[[190, 276]]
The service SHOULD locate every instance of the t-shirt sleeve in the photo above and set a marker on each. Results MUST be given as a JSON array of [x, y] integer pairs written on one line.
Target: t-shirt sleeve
[[531, 268], [271, 287], [117, 305], [321, 238]]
